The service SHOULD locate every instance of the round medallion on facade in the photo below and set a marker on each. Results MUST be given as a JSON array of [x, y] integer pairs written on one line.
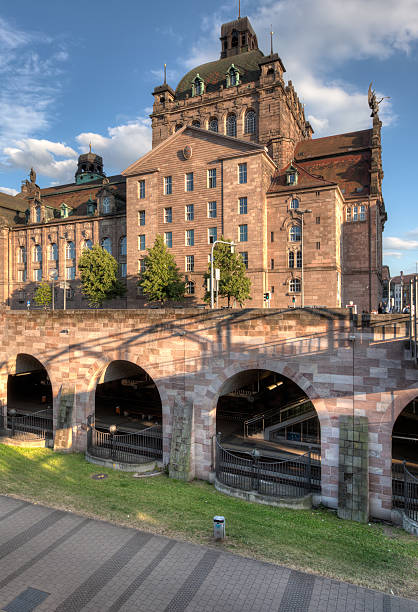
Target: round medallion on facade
[[187, 152]]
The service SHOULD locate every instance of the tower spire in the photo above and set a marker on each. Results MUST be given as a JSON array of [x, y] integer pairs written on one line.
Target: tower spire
[[271, 39], [239, 9], [165, 74]]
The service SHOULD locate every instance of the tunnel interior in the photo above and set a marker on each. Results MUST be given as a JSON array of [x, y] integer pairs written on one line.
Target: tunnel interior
[[29, 390], [126, 396], [405, 437], [265, 410]]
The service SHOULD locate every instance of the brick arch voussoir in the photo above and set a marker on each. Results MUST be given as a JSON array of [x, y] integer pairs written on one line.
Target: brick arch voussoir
[[395, 407]]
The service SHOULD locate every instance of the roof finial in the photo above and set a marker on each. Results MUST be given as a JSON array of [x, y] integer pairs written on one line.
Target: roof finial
[[90, 147], [239, 9], [165, 74], [271, 39]]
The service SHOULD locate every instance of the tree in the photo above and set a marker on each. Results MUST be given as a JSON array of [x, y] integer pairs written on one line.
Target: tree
[[99, 276], [161, 281], [234, 283], [43, 295]]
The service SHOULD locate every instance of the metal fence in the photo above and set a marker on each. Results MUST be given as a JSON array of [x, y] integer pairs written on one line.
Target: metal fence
[[126, 447], [35, 426], [405, 490], [287, 478]]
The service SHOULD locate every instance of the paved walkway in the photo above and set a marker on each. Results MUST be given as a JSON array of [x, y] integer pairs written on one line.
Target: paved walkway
[[53, 560]]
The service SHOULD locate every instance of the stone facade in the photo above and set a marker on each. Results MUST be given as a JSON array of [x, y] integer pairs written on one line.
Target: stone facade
[[195, 353]]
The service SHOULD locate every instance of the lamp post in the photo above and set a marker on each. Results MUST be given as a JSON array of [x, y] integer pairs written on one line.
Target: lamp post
[[12, 413], [112, 431], [232, 245], [302, 213], [53, 275]]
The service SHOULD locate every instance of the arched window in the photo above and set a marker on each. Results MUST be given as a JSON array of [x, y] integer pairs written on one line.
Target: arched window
[[234, 39], [291, 259], [37, 214], [21, 255], [213, 124], [250, 122], [294, 285], [53, 252], [295, 233], [122, 246], [70, 250], [87, 244], [37, 252], [231, 125], [190, 288], [107, 245], [196, 123], [294, 203], [178, 127]]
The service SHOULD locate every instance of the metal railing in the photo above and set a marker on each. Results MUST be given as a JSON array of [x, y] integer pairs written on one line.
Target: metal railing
[[274, 415], [286, 478], [126, 447], [35, 426], [405, 490]]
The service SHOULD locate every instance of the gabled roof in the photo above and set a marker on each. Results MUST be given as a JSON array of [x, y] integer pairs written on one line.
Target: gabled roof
[[306, 180], [12, 202], [146, 160], [77, 195]]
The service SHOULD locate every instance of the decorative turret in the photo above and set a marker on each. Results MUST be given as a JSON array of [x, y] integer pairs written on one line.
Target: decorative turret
[[237, 37], [89, 168]]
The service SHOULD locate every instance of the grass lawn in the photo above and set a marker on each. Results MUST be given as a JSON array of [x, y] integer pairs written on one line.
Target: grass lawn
[[375, 555]]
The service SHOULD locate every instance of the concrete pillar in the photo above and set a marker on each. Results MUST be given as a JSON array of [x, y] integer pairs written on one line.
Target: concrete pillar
[[182, 442]]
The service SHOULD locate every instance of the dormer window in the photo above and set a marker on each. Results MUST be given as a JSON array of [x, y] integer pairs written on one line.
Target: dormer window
[[106, 205], [64, 210], [232, 77], [198, 86], [91, 207], [292, 176], [37, 215]]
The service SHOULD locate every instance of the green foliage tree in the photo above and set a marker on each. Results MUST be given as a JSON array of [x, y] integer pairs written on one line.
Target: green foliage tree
[[43, 295], [234, 282], [161, 281], [99, 276]]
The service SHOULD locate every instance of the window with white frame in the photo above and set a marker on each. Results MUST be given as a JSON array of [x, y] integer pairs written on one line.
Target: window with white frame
[[37, 253], [141, 189], [294, 285], [250, 122], [188, 181], [122, 246], [21, 276], [295, 233], [294, 203], [141, 242], [299, 259], [53, 252], [141, 266], [21, 255], [70, 273], [212, 210], [242, 173], [106, 205], [212, 234], [37, 275], [190, 288], [168, 185], [189, 210], [189, 263], [212, 178], [168, 215], [362, 213], [244, 255], [107, 245], [70, 250], [242, 206], [231, 125], [168, 239], [141, 217], [355, 213], [190, 237], [243, 233]]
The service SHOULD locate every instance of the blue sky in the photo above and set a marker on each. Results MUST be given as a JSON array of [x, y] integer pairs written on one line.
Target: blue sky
[[75, 72]]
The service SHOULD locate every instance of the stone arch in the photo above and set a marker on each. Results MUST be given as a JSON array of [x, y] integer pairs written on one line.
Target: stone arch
[[395, 406], [26, 362], [12, 367]]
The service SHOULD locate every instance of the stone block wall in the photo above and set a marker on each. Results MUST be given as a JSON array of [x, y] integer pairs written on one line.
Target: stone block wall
[[353, 469]]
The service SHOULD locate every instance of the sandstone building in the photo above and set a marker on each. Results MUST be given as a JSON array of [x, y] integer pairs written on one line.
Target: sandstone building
[[233, 156]]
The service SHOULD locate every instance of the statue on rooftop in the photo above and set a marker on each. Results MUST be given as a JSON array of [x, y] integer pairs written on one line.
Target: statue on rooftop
[[32, 176], [373, 101]]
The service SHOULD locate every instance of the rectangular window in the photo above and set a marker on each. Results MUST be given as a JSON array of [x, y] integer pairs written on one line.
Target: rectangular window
[[271, 236], [141, 266], [168, 185], [212, 210], [242, 206], [318, 220], [318, 245], [189, 263], [141, 217], [189, 212], [272, 290], [70, 273], [244, 256], [355, 213], [348, 214], [242, 173], [37, 275], [189, 237], [272, 264], [243, 233], [141, 189], [362, 215], [168, 215], [212, 234], [212, 178], [299, 259], [141, 242], [168, 239], [122, 270], [188, 181], [21, 276]]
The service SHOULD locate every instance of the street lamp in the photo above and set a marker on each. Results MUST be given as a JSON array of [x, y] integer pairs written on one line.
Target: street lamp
[[232, 245], [112, 431], [53, 275], [302, 288]]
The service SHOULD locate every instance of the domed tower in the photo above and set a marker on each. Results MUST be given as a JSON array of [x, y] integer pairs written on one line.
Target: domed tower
[[89, 168]]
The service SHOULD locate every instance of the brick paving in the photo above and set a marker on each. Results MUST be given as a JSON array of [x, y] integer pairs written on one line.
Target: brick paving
[[53, 560]]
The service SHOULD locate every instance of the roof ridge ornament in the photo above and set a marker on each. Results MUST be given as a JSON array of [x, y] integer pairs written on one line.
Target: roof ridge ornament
[[373, 101], [271, 39]]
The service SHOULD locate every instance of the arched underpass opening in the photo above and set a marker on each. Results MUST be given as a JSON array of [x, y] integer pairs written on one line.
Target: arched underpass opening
[[405, 460], [264, 418], [29, 399], [127, 425]]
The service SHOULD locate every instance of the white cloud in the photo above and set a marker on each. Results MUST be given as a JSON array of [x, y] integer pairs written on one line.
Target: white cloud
[[395, 254], [400, 244], [52, 159], [8, 190]]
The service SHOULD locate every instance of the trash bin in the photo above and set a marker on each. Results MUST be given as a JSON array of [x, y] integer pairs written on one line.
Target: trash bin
[[219, 527]]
